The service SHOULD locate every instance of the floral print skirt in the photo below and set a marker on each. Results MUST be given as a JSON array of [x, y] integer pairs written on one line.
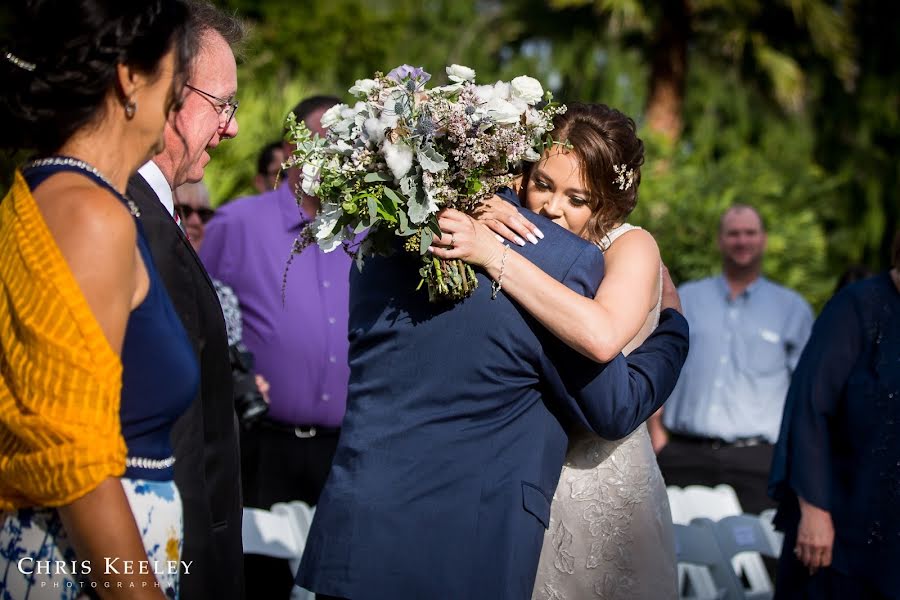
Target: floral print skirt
[[38, 562]]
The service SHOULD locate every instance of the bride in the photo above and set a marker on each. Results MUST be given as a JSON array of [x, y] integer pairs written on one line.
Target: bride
[[610, 533]]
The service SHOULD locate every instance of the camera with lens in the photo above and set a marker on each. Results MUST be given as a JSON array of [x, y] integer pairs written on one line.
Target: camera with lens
[[248, 401]]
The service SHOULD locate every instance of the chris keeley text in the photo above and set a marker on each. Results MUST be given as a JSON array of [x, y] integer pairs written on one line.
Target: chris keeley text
[[110, 566]]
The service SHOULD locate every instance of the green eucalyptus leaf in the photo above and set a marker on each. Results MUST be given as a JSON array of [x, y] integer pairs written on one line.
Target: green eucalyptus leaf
[[377, 176], [427, 238]]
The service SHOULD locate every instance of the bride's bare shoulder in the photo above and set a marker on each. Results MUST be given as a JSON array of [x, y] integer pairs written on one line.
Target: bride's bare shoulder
[[636, 244]]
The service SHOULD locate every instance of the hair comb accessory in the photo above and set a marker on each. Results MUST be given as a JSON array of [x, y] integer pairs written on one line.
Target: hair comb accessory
[[22, 64], [625, 176]]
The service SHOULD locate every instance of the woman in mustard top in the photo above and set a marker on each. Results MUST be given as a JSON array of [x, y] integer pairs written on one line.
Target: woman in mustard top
[[94, 364]]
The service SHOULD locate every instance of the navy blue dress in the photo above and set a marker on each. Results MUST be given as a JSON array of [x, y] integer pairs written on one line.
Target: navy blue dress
[[160, 377], [839, 446], [160, 374]]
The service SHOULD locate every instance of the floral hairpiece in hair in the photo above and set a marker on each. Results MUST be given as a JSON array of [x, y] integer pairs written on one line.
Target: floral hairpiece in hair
[[624, 177], [22, 64]]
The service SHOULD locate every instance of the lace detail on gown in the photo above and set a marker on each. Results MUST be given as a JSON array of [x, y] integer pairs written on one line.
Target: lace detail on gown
[[610, 533]]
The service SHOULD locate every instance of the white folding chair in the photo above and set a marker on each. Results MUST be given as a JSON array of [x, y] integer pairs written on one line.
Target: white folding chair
[[717, 503], [706, 574], [697, 501], [745, 535], [280, 532]]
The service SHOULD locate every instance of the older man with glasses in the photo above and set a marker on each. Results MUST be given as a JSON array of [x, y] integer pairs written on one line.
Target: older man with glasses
[[207, 465]]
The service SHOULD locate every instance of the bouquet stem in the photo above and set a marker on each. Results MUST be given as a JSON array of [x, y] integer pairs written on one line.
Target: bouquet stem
[[448, 279]]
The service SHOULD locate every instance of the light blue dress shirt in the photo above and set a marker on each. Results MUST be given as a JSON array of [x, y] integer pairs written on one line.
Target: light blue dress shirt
[[743, 352]]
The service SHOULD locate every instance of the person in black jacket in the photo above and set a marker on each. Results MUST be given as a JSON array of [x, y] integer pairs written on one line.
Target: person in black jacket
[[207, 467]]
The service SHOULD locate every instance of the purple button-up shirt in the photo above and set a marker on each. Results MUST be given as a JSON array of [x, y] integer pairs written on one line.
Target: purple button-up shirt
[[301, 344]]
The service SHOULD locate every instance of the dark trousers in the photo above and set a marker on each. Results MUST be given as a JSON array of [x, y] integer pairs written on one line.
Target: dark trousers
[[278, 466], [697, 462]]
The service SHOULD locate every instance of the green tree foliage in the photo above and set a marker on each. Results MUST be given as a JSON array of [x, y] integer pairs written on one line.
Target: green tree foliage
[[761, 82], [736, 149], [790, 105]]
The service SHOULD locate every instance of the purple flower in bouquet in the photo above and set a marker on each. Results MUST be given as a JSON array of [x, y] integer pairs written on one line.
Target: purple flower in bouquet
[[418, 75]]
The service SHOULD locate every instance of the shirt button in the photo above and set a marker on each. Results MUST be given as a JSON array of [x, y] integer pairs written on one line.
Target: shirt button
[[733, 313], [332, 359], [326, 283], [718, 383], [326, 397], [332, 320], [723, 360]]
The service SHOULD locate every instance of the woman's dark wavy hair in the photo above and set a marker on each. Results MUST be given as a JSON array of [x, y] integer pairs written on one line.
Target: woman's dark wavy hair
[[75, 46], [602, 137]]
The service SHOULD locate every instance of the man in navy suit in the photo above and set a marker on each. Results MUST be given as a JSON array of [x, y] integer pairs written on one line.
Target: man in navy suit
[[454, 436]]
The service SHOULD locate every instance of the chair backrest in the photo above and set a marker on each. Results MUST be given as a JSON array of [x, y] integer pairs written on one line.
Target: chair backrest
[[698, 501], [708, 572], [720, 503], [744, 533], [268, 534], [280, 532]]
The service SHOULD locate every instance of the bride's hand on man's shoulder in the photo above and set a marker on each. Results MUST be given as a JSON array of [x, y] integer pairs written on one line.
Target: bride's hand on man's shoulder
[[504, 219], [670, 297]]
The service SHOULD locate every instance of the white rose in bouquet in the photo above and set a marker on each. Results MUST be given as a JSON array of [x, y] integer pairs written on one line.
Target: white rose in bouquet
[[460, 74], [364, 87], [502, 111], [527, 89], [332, 116]]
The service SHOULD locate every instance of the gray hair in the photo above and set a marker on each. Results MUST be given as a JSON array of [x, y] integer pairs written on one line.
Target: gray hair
[[204, 17]]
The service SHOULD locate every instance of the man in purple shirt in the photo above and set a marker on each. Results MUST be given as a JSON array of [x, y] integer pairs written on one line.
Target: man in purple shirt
[[299, 340]]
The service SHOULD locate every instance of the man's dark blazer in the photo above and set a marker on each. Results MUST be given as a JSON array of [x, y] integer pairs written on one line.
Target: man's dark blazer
[[453, 440], [205, 438]]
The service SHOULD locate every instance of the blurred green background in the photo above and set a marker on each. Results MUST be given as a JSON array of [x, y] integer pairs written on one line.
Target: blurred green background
[[790, 105]]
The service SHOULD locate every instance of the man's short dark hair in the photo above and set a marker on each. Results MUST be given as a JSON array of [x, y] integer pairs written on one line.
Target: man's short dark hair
[[307, 106], [265, 157], [205, 17]]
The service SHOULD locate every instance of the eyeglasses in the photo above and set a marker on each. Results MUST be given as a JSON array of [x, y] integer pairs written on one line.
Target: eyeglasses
[[186, 210], [224, 106]]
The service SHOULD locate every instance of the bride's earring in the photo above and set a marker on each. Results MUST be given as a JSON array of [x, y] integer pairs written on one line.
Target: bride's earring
[[130, 109]]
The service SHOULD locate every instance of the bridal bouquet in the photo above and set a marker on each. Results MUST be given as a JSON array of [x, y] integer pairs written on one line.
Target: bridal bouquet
[[403, 152]]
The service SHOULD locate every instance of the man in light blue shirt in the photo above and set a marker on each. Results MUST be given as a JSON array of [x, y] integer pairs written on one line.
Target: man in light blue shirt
[[747, 334]]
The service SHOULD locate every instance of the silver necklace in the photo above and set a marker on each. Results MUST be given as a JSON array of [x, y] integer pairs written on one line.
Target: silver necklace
[[68, 161]]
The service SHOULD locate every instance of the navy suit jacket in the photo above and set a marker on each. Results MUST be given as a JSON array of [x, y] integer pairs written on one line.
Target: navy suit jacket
[[453, 440]]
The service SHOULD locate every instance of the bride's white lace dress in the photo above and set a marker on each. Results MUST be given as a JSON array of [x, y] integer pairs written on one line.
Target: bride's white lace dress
[[610, 533]]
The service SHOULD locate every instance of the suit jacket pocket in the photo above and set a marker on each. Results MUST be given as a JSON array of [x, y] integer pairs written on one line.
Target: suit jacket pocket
[[536, 502]]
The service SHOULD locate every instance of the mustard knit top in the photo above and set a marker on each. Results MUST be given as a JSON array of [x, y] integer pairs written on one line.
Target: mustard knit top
[[60, 380]]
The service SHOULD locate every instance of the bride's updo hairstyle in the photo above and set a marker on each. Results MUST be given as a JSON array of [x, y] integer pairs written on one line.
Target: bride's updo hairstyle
[[58, 62], [605, 141]]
